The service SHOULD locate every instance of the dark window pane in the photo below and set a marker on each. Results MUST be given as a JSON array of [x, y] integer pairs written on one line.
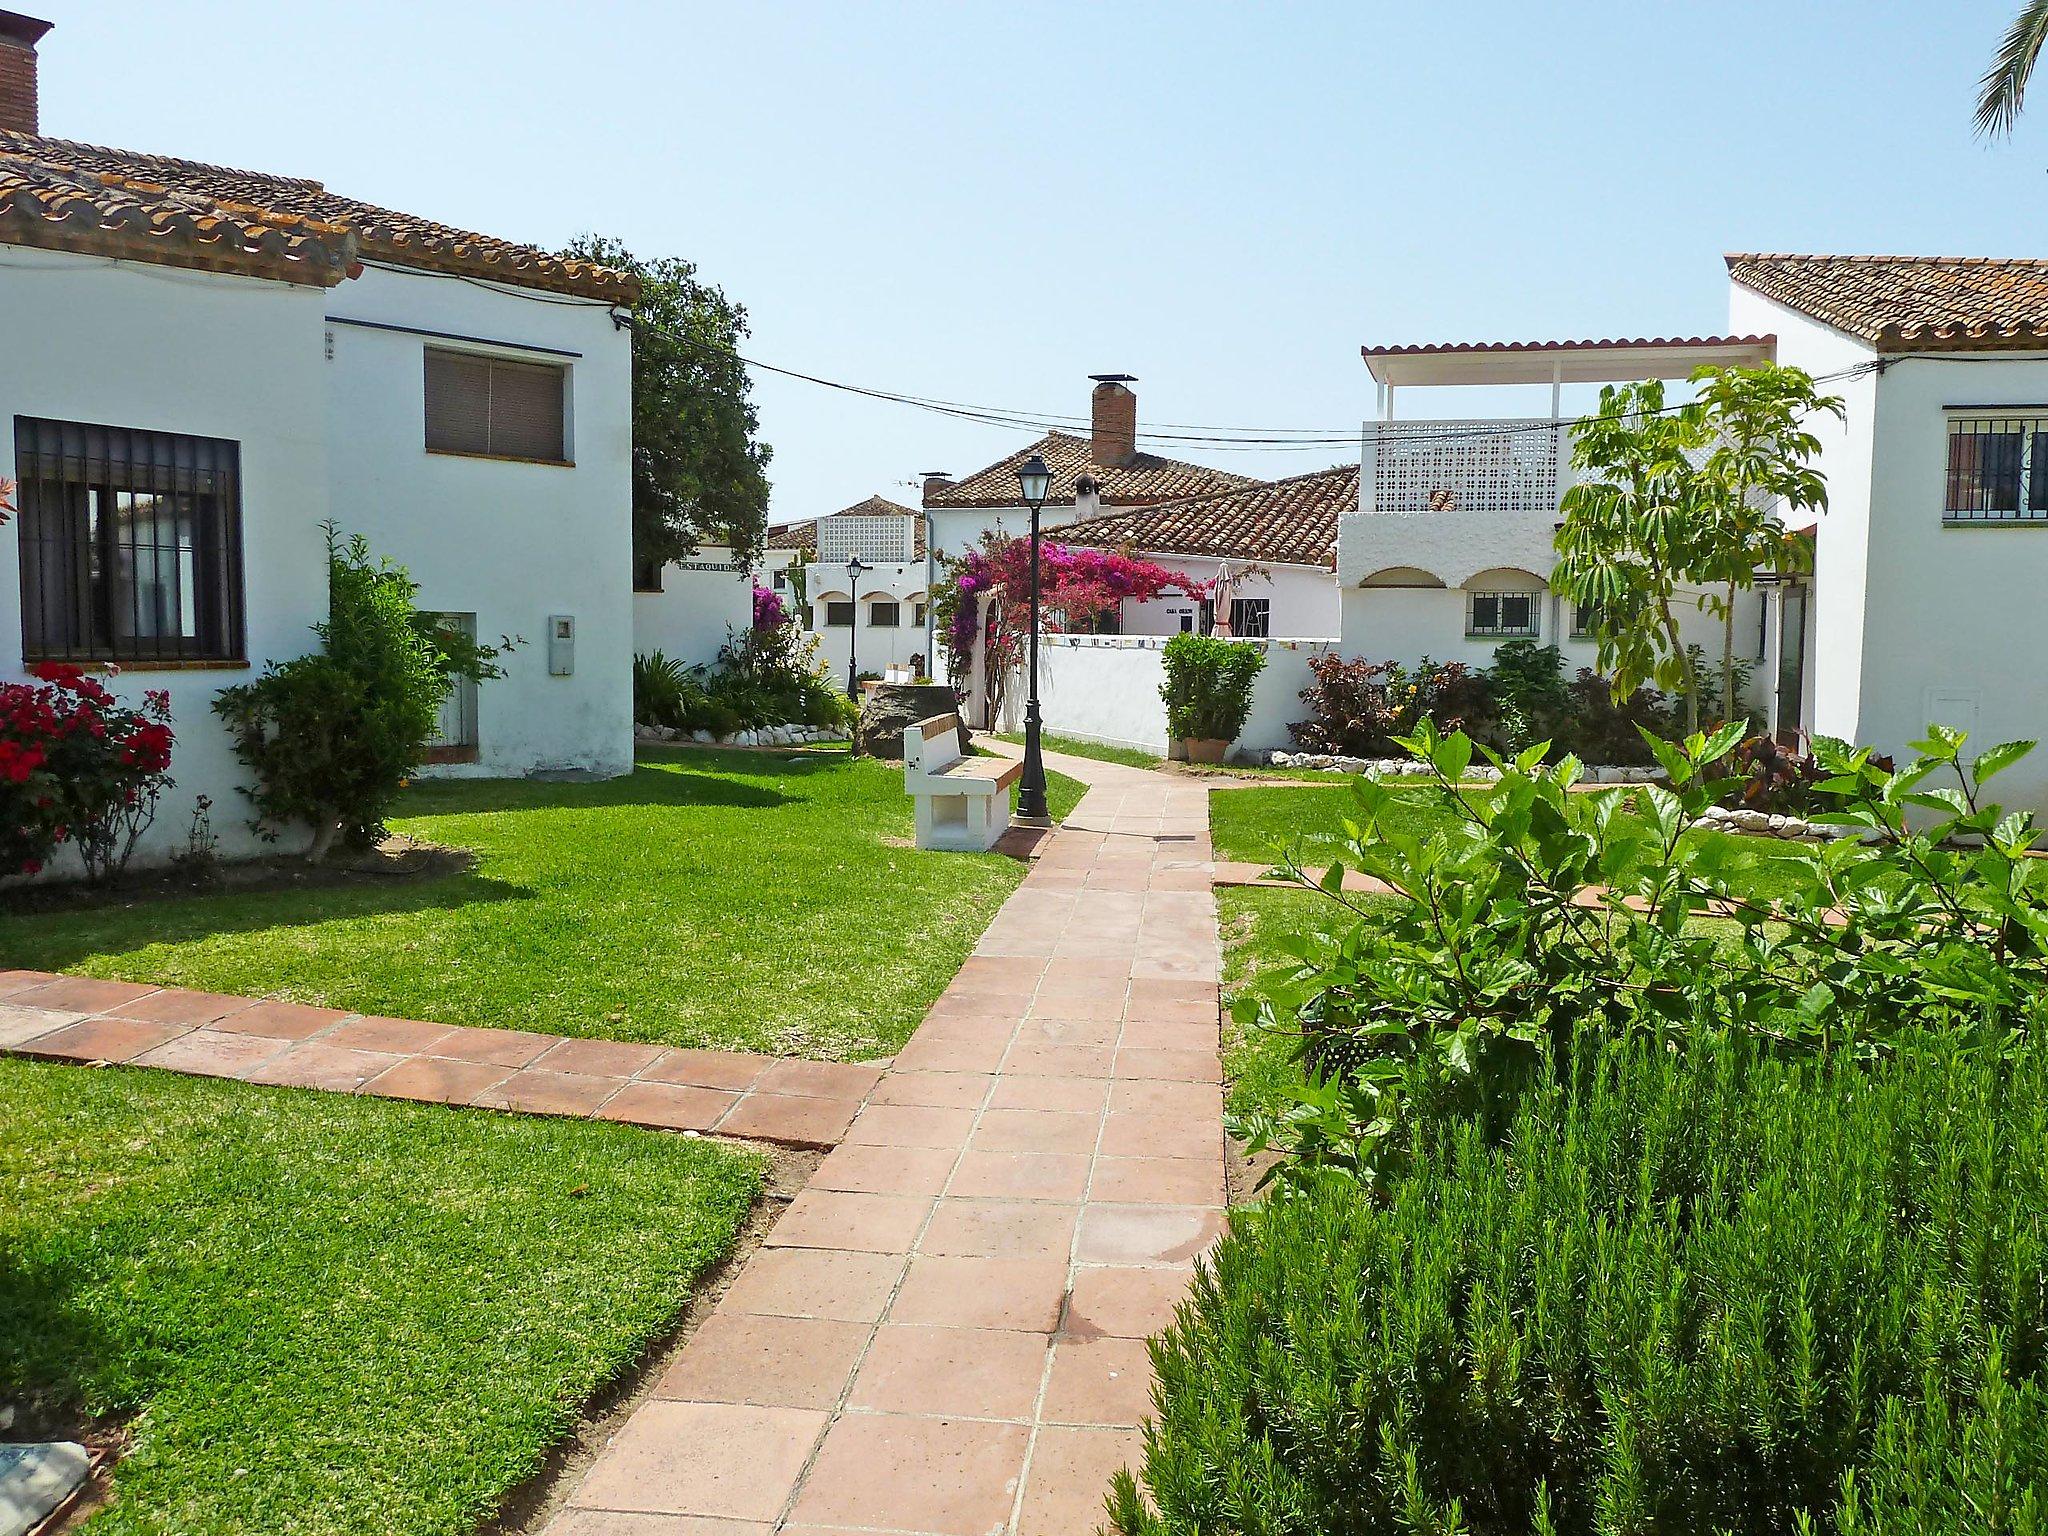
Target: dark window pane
[[885, 616], [839, 615], [458, 403], [1983, 469]]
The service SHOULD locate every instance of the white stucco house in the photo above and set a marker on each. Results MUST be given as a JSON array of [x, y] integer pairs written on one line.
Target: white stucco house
[[199, 365], [866, 620], [688, 609]]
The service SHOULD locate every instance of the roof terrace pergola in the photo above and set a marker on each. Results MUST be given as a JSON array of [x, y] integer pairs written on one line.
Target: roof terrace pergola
[[1557, 363]]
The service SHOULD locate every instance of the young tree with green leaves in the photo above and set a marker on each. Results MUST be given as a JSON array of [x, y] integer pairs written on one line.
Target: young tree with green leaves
[[1757, 475], [1628, 538], [699, 470]]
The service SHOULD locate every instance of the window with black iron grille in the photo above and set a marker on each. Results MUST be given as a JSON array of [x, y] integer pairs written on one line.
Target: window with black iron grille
[[1251, 618], [131, 544], [1502, 613], [1585, 620], [495, 407], [1997, 467]]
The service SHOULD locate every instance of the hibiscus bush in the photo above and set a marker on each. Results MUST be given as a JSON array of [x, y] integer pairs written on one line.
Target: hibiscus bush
[[78, 766]]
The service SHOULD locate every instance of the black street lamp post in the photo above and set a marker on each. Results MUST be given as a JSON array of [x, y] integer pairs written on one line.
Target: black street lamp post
[[855, 569], [1033, 481]]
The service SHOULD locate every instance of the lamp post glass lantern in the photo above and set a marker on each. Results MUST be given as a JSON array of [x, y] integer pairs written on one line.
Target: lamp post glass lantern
[[1034, 481]]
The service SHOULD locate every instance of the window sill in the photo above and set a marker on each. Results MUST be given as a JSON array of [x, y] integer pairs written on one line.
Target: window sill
[[501, 458], [438, 755], [2032, 520], [108, 665], [1502, 634]]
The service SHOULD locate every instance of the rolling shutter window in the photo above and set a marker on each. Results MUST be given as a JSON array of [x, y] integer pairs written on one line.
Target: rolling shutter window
[[491, 406]]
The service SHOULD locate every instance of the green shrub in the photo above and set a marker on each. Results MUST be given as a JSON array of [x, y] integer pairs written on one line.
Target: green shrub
[[1208, 687], [1691, 1294], [332, 736]]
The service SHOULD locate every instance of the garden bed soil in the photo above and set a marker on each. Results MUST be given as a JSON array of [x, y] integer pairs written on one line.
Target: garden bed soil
[[393, 859]]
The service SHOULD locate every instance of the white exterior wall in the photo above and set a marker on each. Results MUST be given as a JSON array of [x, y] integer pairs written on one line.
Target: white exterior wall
[[1105, 688], [958, 529], [875, 647], [83, 338], [1304, 598], [702, 602], [511, 542]]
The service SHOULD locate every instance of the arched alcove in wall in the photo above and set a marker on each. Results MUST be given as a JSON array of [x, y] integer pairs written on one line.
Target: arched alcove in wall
[[1402, 576]]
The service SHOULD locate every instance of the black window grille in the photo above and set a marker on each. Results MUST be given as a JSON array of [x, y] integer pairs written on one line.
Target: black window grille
[[1502, 613], [1251, 618], [131, 544], [1997, 469]]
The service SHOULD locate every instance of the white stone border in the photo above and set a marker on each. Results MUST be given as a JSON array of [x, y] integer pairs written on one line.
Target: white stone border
[[756, 736]]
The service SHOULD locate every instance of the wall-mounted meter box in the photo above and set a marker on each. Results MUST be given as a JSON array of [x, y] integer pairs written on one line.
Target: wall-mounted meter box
[[561, 644]]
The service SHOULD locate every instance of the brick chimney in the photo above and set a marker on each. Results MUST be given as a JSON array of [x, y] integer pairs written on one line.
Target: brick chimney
[[936, 481], [19, 35], [1113, 420]]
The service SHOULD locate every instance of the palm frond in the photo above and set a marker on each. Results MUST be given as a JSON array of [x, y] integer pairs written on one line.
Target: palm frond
[[2004, 86]]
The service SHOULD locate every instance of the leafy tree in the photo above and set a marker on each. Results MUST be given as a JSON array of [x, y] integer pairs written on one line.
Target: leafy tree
[[1627, 541], [1756, 473], [2004, 86], [699, 473]]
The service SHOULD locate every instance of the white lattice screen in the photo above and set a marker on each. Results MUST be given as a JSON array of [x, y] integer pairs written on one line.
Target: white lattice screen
[[1464, 466], [877, 540]]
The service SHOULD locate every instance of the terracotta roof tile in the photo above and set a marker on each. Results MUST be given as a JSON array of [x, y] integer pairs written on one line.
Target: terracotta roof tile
[[802, 536], [1909, 303], [381, 233], [58, 207], [1145, 481], [1292, 522]]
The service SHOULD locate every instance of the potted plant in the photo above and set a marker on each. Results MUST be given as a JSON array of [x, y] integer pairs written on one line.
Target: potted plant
[[1208, 692]]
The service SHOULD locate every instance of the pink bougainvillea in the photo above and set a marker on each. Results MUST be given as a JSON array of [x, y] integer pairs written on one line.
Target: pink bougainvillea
[[768, 610], [993, 580]]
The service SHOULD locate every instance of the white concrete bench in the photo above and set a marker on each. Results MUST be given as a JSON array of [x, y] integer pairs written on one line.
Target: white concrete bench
[[963, 803]]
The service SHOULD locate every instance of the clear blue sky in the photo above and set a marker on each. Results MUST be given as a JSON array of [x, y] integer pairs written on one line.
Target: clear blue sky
[[988, 202]]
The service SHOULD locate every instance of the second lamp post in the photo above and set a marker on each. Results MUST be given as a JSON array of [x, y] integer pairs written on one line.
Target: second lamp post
[[1033, 481]]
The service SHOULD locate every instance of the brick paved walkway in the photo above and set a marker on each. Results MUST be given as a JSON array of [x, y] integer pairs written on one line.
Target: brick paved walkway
[[208, 1034], [944, 1334]]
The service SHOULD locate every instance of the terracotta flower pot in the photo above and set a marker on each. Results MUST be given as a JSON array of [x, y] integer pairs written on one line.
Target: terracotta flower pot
[[1206, 750]]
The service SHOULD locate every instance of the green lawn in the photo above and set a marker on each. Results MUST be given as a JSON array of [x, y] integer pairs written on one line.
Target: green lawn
[[1130, 757], [323, 1314], [1258, 825], [731, 899]]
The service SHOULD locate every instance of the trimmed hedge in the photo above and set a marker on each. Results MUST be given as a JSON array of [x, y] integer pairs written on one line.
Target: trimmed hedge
[[1721, 1293]]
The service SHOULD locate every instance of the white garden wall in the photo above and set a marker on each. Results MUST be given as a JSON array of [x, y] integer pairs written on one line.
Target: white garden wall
[[702, 602], [1105, 688]]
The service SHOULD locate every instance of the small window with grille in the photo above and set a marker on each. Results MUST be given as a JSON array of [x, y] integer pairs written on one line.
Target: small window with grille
[[493, 407], [1997, 467], [1585, 620], [839, 615], [1501, 614], [885, 615], [1251, 618], [131, 544]]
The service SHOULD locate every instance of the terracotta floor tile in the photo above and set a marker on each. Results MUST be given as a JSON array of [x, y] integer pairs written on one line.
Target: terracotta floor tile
[[597, 1058], [619, 1522], [1033, 1130], [1021, 1176], [949, 1477], [1158, 1181], [935, 1055], [1071, 1095], [977, 1373], [999, 1229], [933, 1090], [1146, 1234], [212, 1053], [436, 1080], [1001, 974], [283, 1021], [1151, 1096], [825, 1218], [401, 1037], [101, 1040], [721, 1460], [175, 1005], [535, 1092], [1197, 1066], [1070, 1476], [909, 1125], [13, 981], [81, 994], [1098, 1381], [788, 1118], [1126, 1303], [1055, 1031], [668, 1106], [707, 1069], [316, 1064], [21, 1025], [886, 1170], [820, 1079], [815, 1282], [1026, 1059], [495, 1047], [1162, 1135], [1154, 1035], [1018, 1294], [777, 1362]]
